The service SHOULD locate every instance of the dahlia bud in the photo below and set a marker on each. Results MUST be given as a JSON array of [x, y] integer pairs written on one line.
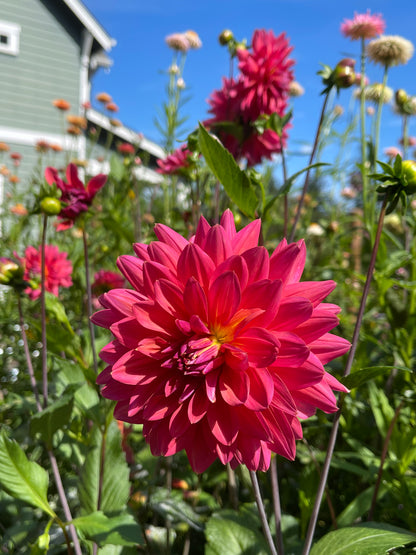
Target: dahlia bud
[[409, 172], [344, 74], [11, 273], [225, 37], [50, 206], [401, 97]]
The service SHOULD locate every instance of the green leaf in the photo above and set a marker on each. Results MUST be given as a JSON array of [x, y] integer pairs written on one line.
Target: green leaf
[[22, 478], [357, 379], [234, 180], [290, 180], [116, 167], [115, 482], [114, 530], [372, 538], [55, 308], [171, 505], [359, 506], [232, 533], [52, 419]]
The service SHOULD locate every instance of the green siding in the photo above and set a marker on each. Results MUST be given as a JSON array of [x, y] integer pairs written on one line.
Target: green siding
[[47, 66]]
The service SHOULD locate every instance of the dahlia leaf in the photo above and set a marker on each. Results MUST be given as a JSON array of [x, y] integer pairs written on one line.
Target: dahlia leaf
[[117, 168], [360, 505], [115, 478], [359, 378], [21, 478], [52, 419], [171, 506], [105, 530], [367, 539], [235, 182]]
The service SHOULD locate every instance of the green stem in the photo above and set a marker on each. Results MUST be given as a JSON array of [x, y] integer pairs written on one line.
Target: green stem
[[89, 300], [306, 183], [262, 512], [405, 136], [364, 172], [276, 505], [333, 436], [43, 314]]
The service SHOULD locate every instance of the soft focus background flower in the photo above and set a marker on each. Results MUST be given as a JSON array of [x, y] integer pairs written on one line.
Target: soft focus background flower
[[219, 349], [178, 41], [58, 270], [176, 162], [390, 50], [363, 26], [76, 198], [104, 280]]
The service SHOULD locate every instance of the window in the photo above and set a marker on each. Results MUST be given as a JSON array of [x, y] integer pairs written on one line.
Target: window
[[9, 38]]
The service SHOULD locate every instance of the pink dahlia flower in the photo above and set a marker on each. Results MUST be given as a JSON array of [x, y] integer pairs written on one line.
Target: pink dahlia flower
[[58, 270], [104, 280], [76, 198], [267, 73], [363, 26], [176, 162], [219, 349]]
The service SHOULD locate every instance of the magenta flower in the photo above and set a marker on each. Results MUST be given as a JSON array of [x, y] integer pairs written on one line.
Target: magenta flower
[[219, 349], [175, 163], [363, 26], [58, 270], [76, 198], [104, 280]]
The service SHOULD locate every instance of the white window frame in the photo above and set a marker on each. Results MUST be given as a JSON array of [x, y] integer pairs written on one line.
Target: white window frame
[[12, 31]]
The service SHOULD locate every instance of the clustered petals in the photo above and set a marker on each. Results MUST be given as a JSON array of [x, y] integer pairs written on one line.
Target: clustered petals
[[58, 270], [363, 26], [75, 197], [261, 88], [219, 348], [176, 162]]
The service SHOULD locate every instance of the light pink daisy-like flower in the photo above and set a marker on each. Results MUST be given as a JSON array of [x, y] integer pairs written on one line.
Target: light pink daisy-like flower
[[58, 270], [176, 162], [392, 151], [178, 41], [219, 348], [363, 26]]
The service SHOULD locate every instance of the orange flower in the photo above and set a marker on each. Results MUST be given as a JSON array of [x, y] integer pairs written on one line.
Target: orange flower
[[111, 107], [116, 122], [4, 147], [78, 121], [4, 170], [103, 97], [42, 146], [14, 179], [73, 130], [56, 147], [61, 104], [19, 210]]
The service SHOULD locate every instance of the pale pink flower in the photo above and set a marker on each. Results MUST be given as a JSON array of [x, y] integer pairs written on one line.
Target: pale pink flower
[[363, 26], [219, 348], [178, 41], [392, 151]]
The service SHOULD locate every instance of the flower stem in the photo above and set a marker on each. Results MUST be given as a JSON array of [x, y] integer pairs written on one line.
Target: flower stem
[[89, 300], [351, 355], [306, 183], [276, 505], [286, 196], [363, 134], [43, 314], [262, 512]]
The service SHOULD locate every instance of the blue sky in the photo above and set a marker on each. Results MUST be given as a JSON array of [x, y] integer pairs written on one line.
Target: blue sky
[[137, 83]]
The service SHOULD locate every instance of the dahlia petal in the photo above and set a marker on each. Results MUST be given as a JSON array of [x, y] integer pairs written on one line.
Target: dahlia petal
[[319, 323], [225, 453], [151, 346], [329, 347], [152, 272], [227, 287], [104, 376], [282, 432], [216, 245], [169, 297], [292, 312], [197, 325], [195, 299], [235, 358], [158, 407], [236, 264], [307, 374], [201, 232], [318, 396], [179, 421], [199, 449], [170, 237], [127, 331], [261, 346], [95, 184], [132, 269], [223, 424], [73, 179], [141, 251], [133, 367], [247, 238], [265, 294], [234, 386], [111, 352], [184, 326], [293, 351], [121, 300], [194, 262], [282, 399], [261, 388], [250, 453], [163, 254], [315, 291], [211, 380], [198, 406], [104, 318], [287, 262], [228, 223], [257, 259]]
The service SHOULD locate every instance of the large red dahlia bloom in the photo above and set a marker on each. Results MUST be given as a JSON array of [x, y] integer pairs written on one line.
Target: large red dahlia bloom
[[219, 349], [76, 198], [58, 270]]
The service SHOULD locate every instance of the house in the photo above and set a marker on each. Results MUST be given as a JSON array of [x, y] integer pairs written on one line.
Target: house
[[50, 49]]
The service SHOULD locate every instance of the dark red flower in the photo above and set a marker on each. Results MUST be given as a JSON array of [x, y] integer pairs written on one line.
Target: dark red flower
[[104, 280], [76, 198], [176, 162], [126, 148]]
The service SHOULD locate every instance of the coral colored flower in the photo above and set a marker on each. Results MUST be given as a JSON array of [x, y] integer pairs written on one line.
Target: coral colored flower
[[176, 162], [16, 156], [75, 197], [78, 121], [104, 280], [115, 122], [126, 148], [19, 209], [103, 97], [4, 147], [363, 26], [267, 72], [55, 147], [111, 107], [14, 179], [74, 130], [219, 349], [58, 270], [61, 104]]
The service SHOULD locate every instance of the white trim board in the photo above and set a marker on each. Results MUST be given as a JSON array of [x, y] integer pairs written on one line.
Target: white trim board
[[30, 137]]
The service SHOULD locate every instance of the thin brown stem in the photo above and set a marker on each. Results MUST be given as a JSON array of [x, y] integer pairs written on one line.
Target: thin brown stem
[[306, 182], [89, 300], [232, 488], [334, 431], [43, 313], [382, 460], [262, 512]]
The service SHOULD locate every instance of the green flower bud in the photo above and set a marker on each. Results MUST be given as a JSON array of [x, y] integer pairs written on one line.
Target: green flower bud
[[11, 272], [344, 74], [50, 206], [409, 172], [225, 37]]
